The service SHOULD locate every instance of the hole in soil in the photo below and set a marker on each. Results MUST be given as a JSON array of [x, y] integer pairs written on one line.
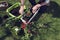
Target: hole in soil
[[21, 32], [15, 11]]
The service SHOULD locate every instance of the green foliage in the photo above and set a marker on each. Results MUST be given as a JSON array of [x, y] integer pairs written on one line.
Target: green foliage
[[9, 38], [2, 32], [46, 28]]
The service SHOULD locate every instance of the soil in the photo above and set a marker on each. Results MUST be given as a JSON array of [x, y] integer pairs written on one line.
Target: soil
[[15, 11]]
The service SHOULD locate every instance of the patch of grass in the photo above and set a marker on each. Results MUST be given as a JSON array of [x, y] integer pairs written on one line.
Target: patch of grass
[[48, 24]]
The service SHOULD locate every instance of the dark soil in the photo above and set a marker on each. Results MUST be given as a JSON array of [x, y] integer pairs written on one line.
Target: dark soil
[[15, 11]]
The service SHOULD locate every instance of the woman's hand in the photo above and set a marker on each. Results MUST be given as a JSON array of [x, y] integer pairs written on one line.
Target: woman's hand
[[34, 9], [21, 11]]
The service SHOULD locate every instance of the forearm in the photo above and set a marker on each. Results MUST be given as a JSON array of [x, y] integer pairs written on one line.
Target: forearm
[[21, 7], [22, 2], [45, 3]]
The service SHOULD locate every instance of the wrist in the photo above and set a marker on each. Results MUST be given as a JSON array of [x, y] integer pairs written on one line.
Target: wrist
[[21, 6], [39, 5]]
